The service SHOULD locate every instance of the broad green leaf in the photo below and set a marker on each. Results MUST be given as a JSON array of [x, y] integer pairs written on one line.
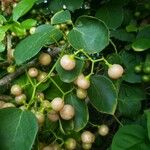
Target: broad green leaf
[[122, 35], [130, 60], [69, 76], [28, 23], [31, 45], [22, 8], [53, 91], [130, 100], [57, 5], [141, 44], [89, 34], [144, 33], [2, 47], [129, 137], [81, 111], [61, 17], [18, 129], [102, 94], [112, 15]]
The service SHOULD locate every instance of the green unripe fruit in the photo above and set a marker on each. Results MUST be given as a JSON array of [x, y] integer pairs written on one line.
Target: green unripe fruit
[[86, 146], [11, 69], [146, 78], [138, 68], [70, 144], [81, 93], [42, 77], [146, 69], [103, 130]]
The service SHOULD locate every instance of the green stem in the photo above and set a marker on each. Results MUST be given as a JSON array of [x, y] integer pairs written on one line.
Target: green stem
[[57, 86], [68, 91], [32, 97], [30, 80], [106, 62], [92, 70], [117, 120], [114, 46], [94, 125]]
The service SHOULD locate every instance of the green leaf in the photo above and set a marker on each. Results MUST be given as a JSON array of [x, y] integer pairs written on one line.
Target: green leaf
[[53, 91], [3, 29], [2, 47], [61, 17], [130, 60], [57, 5], [129, 137], [22, 8], [141, 44], [122, 35], [81, 112], [69, 76], [148, 122], [18, 129], [130, 100], [31, 45], [18, 29], [102, 94], [112, 15], [89, 34], [28, 23], [144, 33], [2, 19]]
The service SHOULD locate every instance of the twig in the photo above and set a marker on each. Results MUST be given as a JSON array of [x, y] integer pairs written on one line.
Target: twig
[[5, 81], [5, 98], [9, 49]]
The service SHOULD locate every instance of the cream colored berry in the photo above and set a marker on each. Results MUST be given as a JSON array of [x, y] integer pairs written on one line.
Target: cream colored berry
[[16, 90], [67, 62], [67, 112], [45, 59], [82, 82], [33, 72], [87, 137], [115, 71], [53, 116], [20, 99], [81, 93], [49, 147], [40, 118], [103, 130], [57, 104]]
